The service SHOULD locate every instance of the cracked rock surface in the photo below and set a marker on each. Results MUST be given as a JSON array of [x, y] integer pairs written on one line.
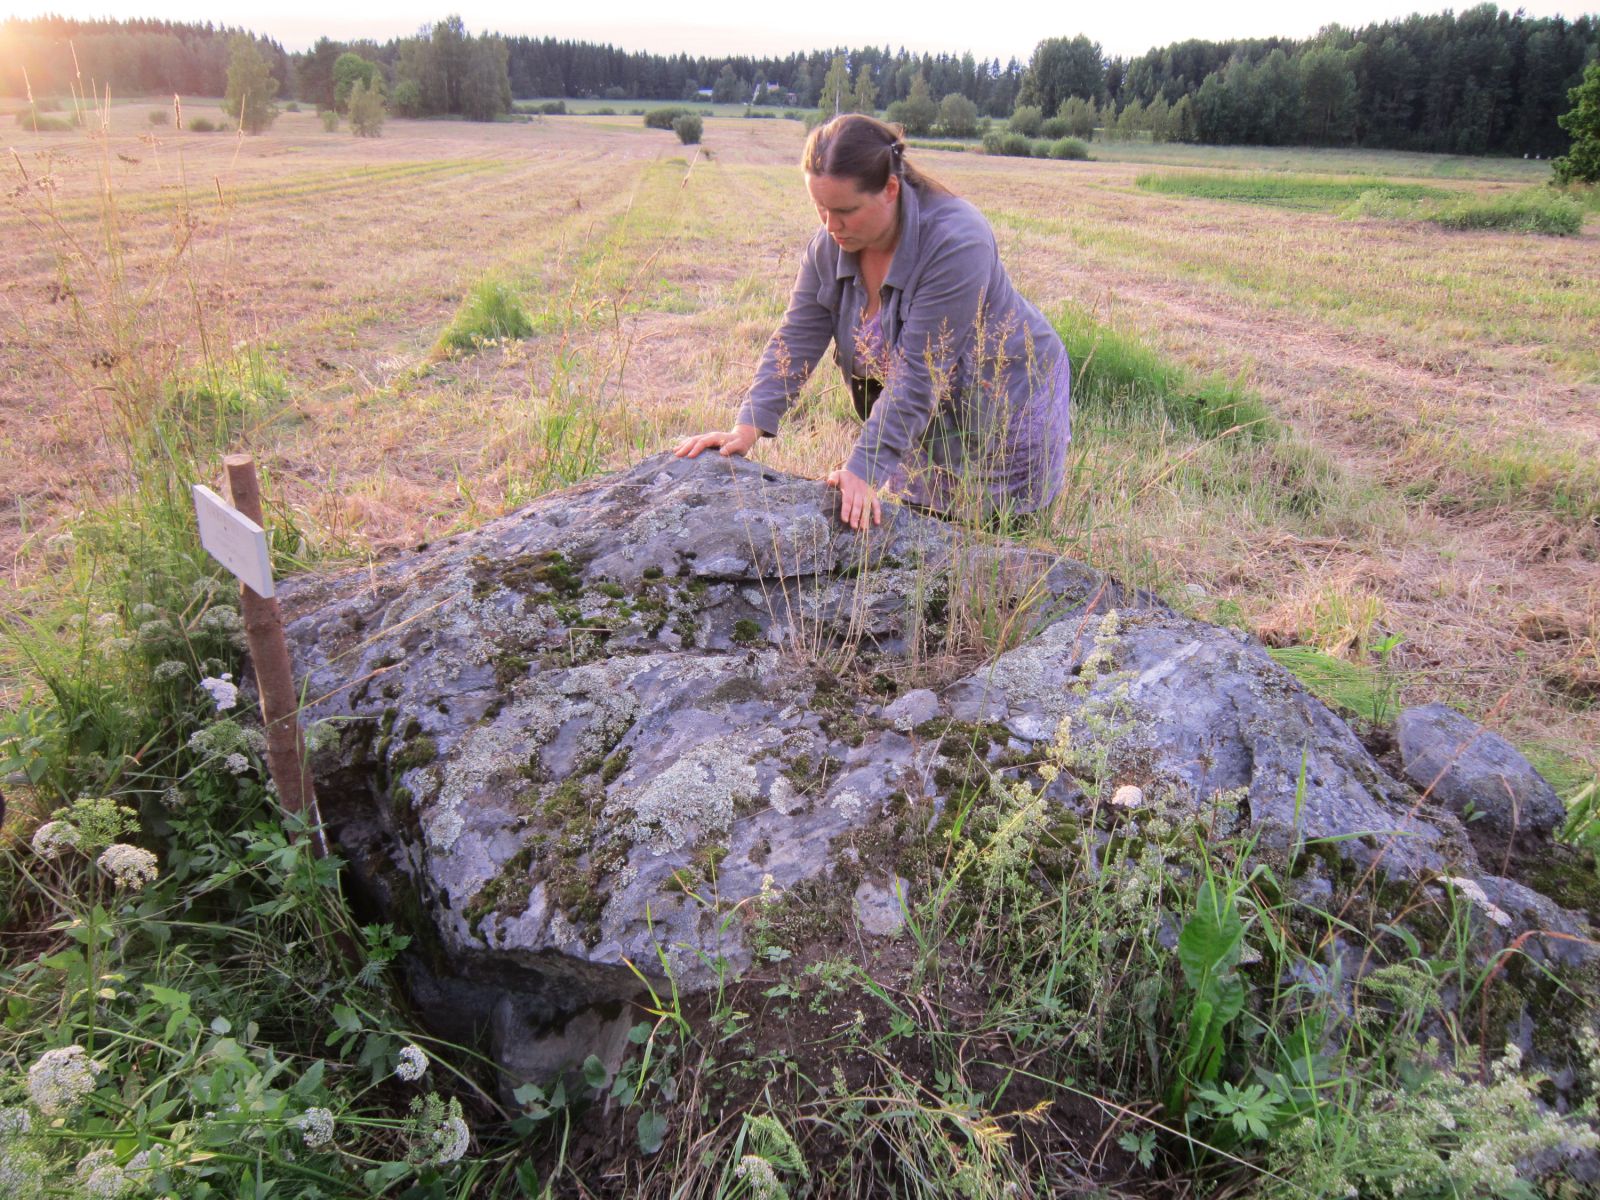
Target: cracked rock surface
[[609, 727]]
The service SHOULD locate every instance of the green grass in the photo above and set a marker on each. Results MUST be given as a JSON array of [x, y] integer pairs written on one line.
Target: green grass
[[492, 311], [1281, 191], [1536, 210], [1114, 369], [1393, 164]]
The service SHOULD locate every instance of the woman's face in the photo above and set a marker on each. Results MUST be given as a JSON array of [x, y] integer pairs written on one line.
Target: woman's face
[[856, 220]]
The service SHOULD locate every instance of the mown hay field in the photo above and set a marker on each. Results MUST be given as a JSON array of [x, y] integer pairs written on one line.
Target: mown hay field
[[1440, 391]]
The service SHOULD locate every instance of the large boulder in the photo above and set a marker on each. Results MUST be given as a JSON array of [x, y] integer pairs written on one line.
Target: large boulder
[[580, 744]]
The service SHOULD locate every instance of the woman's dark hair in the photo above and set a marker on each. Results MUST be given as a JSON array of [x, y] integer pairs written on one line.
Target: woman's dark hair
[[865, 150]]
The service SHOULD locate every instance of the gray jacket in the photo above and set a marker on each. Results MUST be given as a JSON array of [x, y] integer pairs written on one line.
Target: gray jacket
[[977, 390]]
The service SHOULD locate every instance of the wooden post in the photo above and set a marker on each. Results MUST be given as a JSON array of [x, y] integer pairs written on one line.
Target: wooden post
[[287, 761]]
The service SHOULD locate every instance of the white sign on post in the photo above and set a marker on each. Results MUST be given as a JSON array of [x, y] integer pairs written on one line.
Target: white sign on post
[[234, 540]]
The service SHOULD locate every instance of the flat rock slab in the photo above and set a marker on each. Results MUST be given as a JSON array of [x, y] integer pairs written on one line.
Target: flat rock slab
[[596, 736]]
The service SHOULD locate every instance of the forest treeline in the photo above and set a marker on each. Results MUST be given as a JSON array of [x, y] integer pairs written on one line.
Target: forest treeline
[[1481, 81]]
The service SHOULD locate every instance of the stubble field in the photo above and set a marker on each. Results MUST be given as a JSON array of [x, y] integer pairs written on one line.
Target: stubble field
[[1441, 391]]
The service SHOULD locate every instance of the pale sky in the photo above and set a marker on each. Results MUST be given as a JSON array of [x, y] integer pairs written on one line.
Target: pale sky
[[727, 27]]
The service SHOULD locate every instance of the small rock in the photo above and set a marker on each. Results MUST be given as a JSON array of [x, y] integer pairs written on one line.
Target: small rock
[[1195, 590], [882, 910], [912, 709], [1471, 770]]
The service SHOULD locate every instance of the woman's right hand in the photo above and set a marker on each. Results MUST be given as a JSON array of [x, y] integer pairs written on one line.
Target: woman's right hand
[[733, 441]]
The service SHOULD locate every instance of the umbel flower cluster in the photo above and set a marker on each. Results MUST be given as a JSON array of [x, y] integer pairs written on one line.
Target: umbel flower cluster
[[60, 1080]]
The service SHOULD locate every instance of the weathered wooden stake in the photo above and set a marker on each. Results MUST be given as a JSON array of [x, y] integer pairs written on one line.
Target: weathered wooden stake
[[287, 761]]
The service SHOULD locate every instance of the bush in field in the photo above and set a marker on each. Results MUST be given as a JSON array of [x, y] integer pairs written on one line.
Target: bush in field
[[159, 116], [958, 116], [1068, 148], [917, 112], [490, 312], [662, 118], [292, 106], [1055, 128], [32, 119], [1581, 164], [330, 120], [688, 128], [550, 108], [203, 125], [1026, 120], [365, 107], [1537, 210], [1079, 116], [251, 88], [1011, 145]]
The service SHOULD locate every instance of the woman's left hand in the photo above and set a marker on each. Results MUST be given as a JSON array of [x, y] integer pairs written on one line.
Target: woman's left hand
[[857, 499]]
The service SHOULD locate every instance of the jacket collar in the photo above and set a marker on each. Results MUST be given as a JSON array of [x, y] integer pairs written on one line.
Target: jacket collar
[[910, 243]]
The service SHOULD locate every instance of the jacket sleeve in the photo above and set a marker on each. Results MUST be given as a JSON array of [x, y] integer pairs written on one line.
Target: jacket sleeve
[[792, 352], [940, 319]]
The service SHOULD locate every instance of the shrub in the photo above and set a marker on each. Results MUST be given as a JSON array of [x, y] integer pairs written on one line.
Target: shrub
[[158, 116], [1012, 145], [1026, 120], [1055, 128], [688, 128], [365, 108], [1068, 148], [203, 125], [958, 116], [32, 119], [551, 108], [330, 119], [491, 311], [1537, 210], [292, 106], [662, 118], [604, 112]]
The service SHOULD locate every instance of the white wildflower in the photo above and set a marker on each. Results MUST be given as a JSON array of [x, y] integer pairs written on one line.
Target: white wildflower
[[223, 691], [107, 1183], [144, 1163], [93, 1161], [128, 866], [14, 1121], [451, 1137], [759, 1176], [221, 619], [413, 1063], [141, 613], [316, 1126], [51, 838], [1127, 796], [166, 672], [61, 1078], [174, 798], [157, 631], [236, 764], [22, 1174]]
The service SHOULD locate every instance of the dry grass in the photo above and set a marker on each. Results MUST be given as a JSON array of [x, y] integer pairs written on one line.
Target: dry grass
[[1440, 371]]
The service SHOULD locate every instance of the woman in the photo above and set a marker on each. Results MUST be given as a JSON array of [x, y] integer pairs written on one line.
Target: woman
[[962, 385]]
